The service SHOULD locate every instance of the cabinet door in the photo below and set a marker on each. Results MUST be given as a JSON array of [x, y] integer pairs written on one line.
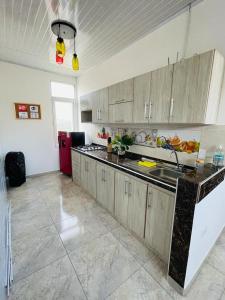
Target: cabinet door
[[109, 178], [103, 105], [121, 197], [114, 93], [159, 219], [191, 81], [101, 186], [126, 90], [105, 187], [76, 166], [83, 172], [91, 177], [137, 191], [95, 106], [141, 98], [160, 95], [85, 102], [121, 113]]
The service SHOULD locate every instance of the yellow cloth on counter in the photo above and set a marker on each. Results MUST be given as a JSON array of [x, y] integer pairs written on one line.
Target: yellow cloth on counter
[[148, 164]]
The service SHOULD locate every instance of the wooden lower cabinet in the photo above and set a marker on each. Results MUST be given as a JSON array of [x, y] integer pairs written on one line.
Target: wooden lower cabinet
[[130, 202], [145, 209], [88, 175], [76, 166], [159, 220], [105, 186]]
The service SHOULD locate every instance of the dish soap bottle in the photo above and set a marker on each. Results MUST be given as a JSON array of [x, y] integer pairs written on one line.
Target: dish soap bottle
[[109, 145], [218, 157]]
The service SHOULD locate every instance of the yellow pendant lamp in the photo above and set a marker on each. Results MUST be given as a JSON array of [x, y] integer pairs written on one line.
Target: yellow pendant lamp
[[75, 62], [60, 47]]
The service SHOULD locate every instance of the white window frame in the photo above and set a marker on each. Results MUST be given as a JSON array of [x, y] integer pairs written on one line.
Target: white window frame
[[62, 99]]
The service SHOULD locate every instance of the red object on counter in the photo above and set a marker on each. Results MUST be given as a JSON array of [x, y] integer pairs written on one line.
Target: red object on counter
[[65, 143]]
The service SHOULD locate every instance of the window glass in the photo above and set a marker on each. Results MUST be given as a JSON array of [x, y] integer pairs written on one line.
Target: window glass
[[63, 116], [62, 90]]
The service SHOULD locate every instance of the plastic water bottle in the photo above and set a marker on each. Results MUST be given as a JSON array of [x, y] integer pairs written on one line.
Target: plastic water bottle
[[218, 157]]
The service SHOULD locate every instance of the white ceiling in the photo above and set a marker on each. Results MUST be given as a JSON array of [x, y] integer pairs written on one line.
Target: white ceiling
[[104, 27]]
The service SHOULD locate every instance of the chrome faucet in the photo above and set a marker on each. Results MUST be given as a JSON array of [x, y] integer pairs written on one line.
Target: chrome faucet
[[176, 156]]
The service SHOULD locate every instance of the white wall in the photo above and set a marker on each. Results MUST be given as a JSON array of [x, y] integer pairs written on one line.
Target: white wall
[[208, 224], [33, 137], [151, 52]]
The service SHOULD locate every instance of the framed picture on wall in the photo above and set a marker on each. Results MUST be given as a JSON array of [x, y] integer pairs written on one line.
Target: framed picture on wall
[[28, 111]]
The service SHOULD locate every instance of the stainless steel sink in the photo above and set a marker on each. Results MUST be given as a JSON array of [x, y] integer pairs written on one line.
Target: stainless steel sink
[[168, 174]]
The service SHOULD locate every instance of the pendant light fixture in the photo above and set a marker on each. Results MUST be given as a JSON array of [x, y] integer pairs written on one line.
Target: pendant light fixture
[[60, 47], [64, 30], [75, 61]]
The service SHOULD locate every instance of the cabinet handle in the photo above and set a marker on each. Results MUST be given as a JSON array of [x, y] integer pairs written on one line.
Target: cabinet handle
[[126, 182], [97, 115], [149, 199], [150, 111], [129, 190], [104, 176], [171, 107], [100, 114]]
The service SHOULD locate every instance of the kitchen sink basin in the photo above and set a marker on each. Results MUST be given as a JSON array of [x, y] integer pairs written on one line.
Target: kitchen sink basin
[[168, 174]]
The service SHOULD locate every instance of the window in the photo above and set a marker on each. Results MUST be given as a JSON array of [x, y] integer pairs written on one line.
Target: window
[[63, 106], [64, 115], [62, 90]]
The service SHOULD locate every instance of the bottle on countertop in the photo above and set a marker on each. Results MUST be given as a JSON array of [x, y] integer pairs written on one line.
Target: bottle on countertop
[[109, 145], [218, 157]]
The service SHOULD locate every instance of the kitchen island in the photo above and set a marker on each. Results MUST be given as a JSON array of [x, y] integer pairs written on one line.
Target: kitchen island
[[186, 236]]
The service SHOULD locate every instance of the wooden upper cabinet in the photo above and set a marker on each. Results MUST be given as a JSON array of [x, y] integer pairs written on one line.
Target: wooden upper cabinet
[[104, 105], [121, 92], [86, 102], [121, 112], [141, 98], [152, 94], [160, 94], [196, 89], [95, 106], [100, 100]]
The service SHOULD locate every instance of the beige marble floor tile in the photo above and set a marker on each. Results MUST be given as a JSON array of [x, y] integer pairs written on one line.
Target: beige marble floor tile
[[67, 209], [109, 222], [29, 220], [223, 296], [140, 286], [75, 234], [136, 248], [209, 285], [217, 256], [36, 250], [57, 281], [102, 266]]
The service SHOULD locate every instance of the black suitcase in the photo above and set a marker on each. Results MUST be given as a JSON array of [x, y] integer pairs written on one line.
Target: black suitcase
[[15, 168]]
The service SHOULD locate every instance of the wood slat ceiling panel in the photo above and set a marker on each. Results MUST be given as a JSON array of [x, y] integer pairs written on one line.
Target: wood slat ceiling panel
[[104, 28]]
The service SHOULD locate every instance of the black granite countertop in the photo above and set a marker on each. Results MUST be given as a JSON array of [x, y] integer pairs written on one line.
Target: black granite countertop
[[197, 176]]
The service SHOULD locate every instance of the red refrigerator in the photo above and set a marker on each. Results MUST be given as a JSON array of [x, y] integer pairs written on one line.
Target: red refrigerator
[[66, 141]]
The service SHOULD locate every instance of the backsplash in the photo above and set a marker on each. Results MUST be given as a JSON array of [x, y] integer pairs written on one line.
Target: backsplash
[[181, 140], [209, 137]]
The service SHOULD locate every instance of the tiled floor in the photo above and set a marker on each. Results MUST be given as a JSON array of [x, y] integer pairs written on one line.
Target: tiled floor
[[65, 246]]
